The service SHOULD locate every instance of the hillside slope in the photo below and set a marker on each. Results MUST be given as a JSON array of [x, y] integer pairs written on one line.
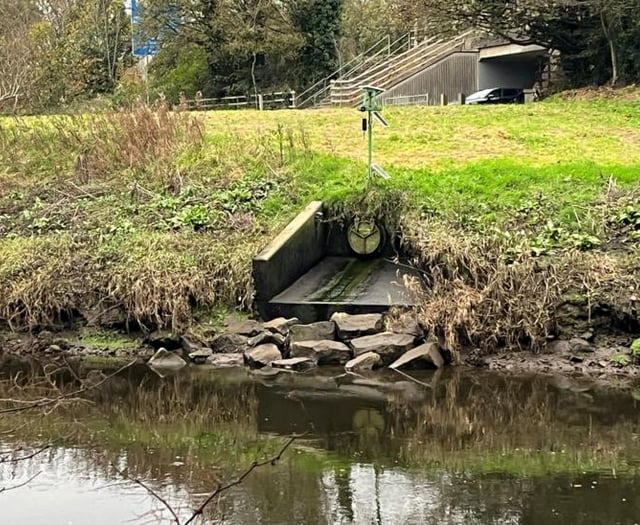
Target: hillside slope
[[151, 217]]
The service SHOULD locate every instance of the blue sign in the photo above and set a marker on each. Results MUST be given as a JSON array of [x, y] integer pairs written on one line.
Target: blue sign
[[140, 47]]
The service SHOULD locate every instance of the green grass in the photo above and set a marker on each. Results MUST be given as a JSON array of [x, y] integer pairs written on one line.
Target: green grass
[[98, 338], [460, 159], [158, 215]]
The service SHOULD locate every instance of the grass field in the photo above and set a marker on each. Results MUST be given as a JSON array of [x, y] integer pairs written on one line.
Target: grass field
[[155, 216], [492, 155]]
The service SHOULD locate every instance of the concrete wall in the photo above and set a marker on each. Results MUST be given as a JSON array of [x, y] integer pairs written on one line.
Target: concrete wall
[[512, 73], [291, 254]]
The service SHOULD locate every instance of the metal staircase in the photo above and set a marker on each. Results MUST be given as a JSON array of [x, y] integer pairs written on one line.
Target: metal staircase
[[346, 91], [318, 94], [384, 64]]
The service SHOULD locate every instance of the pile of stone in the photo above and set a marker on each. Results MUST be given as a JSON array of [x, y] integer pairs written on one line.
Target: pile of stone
[[357, 342]]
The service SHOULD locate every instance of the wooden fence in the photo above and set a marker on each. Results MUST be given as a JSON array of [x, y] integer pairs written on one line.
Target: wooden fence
[[261, 101]]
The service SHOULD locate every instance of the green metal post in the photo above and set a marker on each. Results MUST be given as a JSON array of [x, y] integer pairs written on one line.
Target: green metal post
[[370, 131], [370, 105]]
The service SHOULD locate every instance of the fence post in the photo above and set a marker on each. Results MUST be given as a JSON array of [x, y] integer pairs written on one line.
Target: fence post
[[443, 99], [260, 102], [293, 100], [462, 99]]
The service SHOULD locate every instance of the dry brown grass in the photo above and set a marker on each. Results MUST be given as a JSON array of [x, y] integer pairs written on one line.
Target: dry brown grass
[[149, 281], [483, 292], [122, 218], [130, 140], [600, 93], [97, 146]]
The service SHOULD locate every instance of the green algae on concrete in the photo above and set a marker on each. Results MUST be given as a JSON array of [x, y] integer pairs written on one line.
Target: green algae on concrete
[[346, 284]]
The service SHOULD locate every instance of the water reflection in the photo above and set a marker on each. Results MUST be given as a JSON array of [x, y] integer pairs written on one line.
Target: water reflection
[[443, 448]]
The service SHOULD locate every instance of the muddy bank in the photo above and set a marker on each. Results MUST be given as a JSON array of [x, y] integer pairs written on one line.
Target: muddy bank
[[360, 344], [563, 358]]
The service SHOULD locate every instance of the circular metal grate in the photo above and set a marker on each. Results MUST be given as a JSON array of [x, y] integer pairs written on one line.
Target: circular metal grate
[[364, 237]]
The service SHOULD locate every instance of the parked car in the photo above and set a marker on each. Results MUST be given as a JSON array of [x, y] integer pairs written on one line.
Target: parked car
[[497, 96]]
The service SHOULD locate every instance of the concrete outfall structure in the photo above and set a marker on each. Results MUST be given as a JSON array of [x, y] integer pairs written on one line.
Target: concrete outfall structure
[[309, 271]]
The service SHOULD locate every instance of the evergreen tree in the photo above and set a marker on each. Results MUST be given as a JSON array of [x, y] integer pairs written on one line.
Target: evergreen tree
[[319, 24]]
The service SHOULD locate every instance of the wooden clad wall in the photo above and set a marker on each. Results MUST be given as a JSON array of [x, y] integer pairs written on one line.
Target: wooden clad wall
[[458, 73]]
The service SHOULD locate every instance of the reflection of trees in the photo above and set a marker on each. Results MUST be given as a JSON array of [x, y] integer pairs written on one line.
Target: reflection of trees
[[427, 443], [182, 435], [487, 414], [487, 421]]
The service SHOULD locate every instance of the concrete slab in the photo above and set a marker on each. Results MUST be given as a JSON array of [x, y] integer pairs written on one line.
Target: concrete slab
[[344, 284], [511, 50]]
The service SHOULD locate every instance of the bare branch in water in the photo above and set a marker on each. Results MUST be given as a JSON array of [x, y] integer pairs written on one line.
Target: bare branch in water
[[6, 489], [150, 491], [5, 459], [240, 479], [48, 402], [218, 491]]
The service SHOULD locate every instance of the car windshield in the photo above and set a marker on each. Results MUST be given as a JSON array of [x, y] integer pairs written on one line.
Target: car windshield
[[480, 94]]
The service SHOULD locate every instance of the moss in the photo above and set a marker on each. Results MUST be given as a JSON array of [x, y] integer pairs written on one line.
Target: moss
[[340, 288], [100, 339]]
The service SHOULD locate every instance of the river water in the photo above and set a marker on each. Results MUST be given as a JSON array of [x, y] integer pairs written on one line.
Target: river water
[[448, 447]]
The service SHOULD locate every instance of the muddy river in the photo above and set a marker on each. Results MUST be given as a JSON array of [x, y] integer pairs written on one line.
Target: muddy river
[[450, 447]]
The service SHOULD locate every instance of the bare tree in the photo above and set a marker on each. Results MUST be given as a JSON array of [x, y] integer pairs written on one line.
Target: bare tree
[[17, 58], [613, 14]]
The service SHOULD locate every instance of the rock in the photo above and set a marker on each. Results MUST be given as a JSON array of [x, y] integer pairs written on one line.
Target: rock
[[295, 363], [576, 359], [587, 336], [280, 325], [200, 356], [388, 345], [226, 360], [53, 349], [266, 372], [267, 337], [248, 328], [163, 339], [579, 345], [558, 347], [322, 352], [190, 343], [366, 361], [262, 355], [165, 359], [404, 324], [353, 326], [322, 331], [428, 354], [566, 383], [229, 343]]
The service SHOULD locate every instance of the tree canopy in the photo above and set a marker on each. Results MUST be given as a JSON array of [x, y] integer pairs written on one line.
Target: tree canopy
[[54, 52]]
